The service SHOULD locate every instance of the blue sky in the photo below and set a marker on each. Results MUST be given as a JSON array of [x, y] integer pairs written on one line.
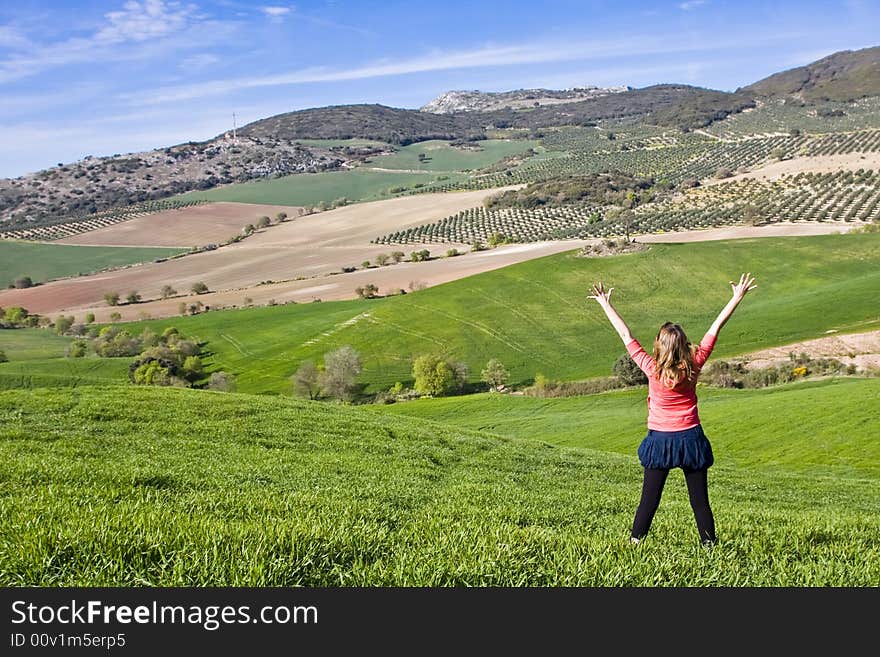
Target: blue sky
[[97, 77]]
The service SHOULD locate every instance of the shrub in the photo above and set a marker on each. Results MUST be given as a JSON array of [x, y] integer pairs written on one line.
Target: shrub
[[222, 381], [382, 259], [626, 369], [3, 357], [451, 253], [112, 298], [23, 282], [77, 349], [168, 291], [415, 286], [723, 172], [63, 324], [90, 318], [115, 316], [368, 291], [133, 297], [397, 256], [263, 221], [199, 288]]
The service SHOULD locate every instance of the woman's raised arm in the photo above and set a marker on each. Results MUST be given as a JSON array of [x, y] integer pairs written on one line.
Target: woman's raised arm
[[603, 296], [746, 284]]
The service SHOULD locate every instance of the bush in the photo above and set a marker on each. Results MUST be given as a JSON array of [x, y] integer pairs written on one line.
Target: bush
[[544, 387], [112, 298], [77, 349], [222, 381], [90, 318], [3, 357], [199, 288], [628, 372], [437, 376], [368, 291], [168, 291], [133, 297], [23, 282]]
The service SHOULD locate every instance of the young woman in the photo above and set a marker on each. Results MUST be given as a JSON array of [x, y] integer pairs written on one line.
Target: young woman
[[675, 436]]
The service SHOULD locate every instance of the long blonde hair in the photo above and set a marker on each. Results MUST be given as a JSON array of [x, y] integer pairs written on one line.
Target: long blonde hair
[[674, 355]]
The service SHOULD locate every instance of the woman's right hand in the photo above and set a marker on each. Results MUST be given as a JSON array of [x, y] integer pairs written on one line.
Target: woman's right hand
[[746, 284], [600, 294]]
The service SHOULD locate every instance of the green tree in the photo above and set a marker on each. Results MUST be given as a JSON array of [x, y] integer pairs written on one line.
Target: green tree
[[199, 288], [133, 297], [90, 318], [495, 374], [397, 256], [437, 376], [168, 291], [112, 298], [381, 259]]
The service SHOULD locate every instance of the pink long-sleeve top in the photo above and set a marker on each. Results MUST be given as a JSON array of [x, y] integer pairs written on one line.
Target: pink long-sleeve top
[[671, 409]]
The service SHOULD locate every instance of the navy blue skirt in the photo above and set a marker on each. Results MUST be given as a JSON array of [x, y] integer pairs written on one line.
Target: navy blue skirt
[[688, 449]]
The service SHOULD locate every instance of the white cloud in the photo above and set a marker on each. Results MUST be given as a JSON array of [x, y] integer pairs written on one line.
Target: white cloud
[[486, 57], [692, 4], [12, 38], [276, 12], [144, 22]]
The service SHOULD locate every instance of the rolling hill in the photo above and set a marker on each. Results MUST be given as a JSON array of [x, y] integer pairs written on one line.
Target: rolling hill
[[534, 316], [166, 487], [844, 76]]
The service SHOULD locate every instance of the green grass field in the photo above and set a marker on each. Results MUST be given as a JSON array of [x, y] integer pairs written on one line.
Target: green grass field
[[169, 487], [63, 373], [31, 344], [816, 424], [312, 188], [440, 156], [535, 317], [43, 262]]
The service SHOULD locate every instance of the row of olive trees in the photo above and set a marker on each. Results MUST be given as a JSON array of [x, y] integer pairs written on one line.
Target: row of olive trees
[[113, 298]]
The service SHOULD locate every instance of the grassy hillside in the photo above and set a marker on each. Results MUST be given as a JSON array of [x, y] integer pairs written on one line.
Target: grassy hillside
[[63, 372], [815, 425], [312, 188], [43, 262], [441, 156], [535, 317], [177, 487]]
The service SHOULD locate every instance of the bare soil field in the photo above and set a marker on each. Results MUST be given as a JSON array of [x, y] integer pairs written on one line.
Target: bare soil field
[[859, 349], [308, 246], [814, 164], [199, 225], [302, 260]]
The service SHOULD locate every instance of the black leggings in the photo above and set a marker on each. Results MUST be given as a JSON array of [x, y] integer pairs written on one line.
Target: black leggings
[[698, 492]]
